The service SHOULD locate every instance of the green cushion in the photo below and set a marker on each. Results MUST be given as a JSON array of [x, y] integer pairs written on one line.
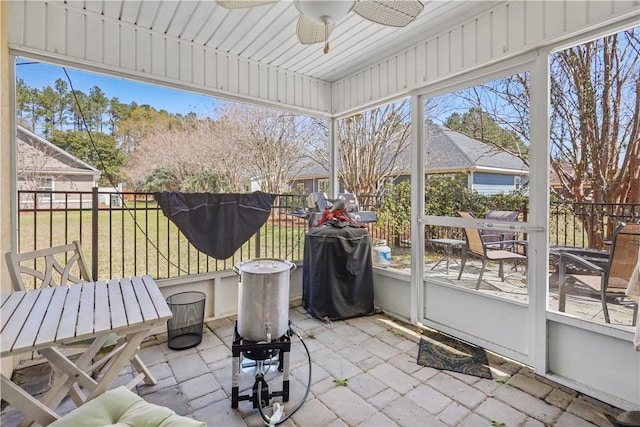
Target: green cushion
[[121, 407], [111, 340]]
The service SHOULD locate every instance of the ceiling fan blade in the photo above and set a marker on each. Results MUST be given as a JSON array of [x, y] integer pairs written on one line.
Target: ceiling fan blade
[[240, 4], [396, 13], [309, 32]]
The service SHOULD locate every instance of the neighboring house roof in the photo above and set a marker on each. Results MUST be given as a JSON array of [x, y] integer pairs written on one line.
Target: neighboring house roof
[[565, 167], [38, 153], [554, 179], [446, 151], [309, 169], [556, 183]]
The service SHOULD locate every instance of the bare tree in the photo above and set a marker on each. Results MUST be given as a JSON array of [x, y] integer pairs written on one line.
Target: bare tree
[[498, 114], [35, 165], [268, 143], [595, 100], [233, 170], [188, 152], [595, 120], [243, 144], [371, 146]]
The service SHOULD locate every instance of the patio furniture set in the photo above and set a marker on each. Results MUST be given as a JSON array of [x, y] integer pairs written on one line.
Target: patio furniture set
[[496, 247], [66, 310], [605, 274]]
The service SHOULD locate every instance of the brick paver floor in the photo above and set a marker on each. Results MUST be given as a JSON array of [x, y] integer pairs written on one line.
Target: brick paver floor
[[364, 373]]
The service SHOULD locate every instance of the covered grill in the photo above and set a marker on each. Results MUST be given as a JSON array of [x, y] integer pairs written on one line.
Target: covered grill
[[337, 278]]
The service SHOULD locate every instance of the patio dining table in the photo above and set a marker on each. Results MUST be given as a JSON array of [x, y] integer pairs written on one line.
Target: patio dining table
[[449, 245], [594, 255], [44, 319]]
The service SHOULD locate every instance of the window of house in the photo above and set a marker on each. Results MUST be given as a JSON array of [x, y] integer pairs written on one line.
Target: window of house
[[323, 185], [45, 184]]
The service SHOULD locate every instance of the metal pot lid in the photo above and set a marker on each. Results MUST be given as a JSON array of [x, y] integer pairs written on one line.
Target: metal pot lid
[[265, 266]]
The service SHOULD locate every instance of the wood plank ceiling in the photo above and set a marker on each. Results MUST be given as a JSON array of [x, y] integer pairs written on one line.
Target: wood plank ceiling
[[267, 33]]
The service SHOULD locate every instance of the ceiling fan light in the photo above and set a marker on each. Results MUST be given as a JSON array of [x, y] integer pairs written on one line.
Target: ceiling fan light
[[324, 12]]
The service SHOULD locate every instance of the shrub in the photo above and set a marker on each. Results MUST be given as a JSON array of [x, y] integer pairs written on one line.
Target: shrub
[[445, 195]]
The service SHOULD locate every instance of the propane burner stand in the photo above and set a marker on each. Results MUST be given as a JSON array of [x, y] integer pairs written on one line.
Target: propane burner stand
[[259, 352]]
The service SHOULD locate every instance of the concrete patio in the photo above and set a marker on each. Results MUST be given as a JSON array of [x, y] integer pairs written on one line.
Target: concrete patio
[[580, 303], [381, 384]]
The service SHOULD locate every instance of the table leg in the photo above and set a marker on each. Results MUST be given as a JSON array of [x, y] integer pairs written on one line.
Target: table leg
[[65, 378], [448, 255], [463, 255], [70, 374], [436, 264], [25, 403], [133, 341], [562, 287], [149, 379]]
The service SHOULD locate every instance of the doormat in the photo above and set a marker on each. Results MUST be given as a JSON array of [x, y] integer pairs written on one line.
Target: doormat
[[440, 351]]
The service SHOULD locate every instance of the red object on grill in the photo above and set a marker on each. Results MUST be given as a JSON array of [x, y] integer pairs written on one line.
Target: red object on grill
[[338, 217]]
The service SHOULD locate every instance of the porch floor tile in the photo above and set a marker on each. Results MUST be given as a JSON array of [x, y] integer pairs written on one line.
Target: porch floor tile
[[362, 374]]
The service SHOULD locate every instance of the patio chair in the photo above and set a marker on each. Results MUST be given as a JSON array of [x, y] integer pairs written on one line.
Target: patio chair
[[476, 246], [489, 236], [66, 265], [609, 279]]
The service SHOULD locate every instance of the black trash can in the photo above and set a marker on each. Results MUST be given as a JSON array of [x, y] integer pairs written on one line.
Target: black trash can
[[184, 330]]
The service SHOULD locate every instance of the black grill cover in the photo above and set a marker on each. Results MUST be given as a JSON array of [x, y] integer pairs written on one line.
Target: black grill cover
[[337, 276], [217, 224]]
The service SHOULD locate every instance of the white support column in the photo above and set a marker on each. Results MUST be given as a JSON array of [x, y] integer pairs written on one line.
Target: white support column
[[7, 156], [417, 205], [538, 254], [7, 150], [333, 159]]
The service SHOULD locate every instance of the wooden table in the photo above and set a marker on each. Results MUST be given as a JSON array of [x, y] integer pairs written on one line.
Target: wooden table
[[44, 319]]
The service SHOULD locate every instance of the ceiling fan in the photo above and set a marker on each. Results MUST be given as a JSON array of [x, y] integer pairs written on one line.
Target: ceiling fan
[[318, 18]]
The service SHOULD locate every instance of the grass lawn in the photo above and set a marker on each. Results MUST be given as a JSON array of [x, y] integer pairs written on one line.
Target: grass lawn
[[141, 240]]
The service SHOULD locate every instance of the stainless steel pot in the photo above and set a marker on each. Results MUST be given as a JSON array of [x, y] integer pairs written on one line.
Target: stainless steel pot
[[263, 298]]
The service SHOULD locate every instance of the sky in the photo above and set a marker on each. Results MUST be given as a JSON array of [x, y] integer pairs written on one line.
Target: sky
[[38, 75]]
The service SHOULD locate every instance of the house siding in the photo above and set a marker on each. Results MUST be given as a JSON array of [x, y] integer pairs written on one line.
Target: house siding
[[493, 183], [44, 167], [66, 193]]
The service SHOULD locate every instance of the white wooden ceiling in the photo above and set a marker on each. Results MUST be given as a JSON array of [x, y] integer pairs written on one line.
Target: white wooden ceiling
[[253, 55], [267, 34]]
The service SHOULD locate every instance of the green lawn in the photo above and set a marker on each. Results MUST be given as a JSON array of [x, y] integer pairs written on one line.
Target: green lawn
[[142, 241]]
